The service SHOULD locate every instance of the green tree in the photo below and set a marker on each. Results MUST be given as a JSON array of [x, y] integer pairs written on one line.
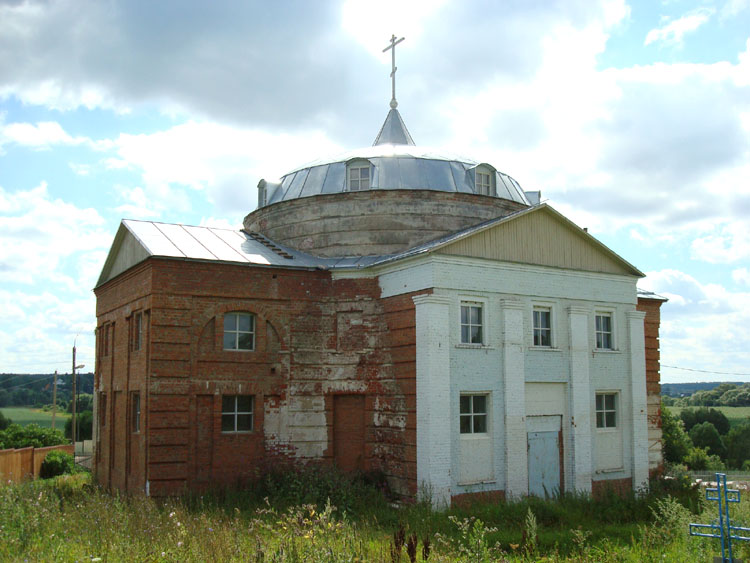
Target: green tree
[[705, 435], [4, 421], [675, 442], [691, 417], [84, 425], [85, 403], [738, 445]]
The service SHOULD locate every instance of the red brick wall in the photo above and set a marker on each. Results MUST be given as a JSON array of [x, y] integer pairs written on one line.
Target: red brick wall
[[653, 387], [315, 337]]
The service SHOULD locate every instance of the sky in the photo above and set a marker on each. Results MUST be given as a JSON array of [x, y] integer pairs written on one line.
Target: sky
[[632, 118]]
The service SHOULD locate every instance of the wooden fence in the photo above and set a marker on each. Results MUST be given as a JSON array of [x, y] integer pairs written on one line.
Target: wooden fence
[[25, 463]]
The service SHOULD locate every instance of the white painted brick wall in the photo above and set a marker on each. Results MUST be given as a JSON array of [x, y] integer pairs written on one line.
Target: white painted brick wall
[[434, 454], [638, 388], [508, 362]]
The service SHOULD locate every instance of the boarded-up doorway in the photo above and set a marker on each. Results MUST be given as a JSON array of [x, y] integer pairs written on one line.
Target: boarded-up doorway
[[203, 438], [349, 432], [545, 454]]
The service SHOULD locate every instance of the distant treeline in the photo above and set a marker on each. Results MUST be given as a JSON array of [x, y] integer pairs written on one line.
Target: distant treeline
[[35, 390], [719, 395]]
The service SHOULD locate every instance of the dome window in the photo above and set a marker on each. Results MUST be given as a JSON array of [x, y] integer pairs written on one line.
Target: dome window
[[358, 176], [484, 180]]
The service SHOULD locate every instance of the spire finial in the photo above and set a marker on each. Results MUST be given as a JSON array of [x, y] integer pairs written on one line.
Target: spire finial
[[392, 47]]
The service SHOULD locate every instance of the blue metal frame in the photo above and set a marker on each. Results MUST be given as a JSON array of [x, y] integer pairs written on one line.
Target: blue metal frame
[[722, 528]]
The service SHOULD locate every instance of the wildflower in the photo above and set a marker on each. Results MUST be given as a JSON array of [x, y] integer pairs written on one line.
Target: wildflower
[[210, 529], [171, 514], [179, 544]]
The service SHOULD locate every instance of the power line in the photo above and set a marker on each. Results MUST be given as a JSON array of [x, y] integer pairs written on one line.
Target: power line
[[706, 371]]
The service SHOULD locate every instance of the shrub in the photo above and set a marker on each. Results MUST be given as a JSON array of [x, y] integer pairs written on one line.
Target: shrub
[[57, 463], [31, 435], [699, 460]]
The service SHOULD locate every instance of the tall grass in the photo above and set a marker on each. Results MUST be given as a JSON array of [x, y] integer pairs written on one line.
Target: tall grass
[[298, 519]]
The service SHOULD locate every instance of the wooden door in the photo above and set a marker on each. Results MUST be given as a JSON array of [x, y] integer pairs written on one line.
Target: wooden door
[[349, 432]]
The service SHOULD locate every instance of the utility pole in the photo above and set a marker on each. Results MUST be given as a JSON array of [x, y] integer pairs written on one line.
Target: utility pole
[[73, 426], [54, 398]]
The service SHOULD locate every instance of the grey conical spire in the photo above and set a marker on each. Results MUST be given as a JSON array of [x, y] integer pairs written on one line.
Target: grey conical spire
[[393, 131]]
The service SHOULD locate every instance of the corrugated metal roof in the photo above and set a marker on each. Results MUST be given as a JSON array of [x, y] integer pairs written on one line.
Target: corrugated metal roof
[[212, 243], [239, 246], [644, 294]]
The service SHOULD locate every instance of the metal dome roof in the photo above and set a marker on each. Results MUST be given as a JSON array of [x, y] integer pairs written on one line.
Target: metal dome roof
[[394, 167], [396, 164]]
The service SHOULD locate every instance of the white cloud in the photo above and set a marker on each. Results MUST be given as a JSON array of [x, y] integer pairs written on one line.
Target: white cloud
[[733, 8], [673, 32], [729, 243], [39, 331], [741, 276], [703, 325], [40, 232], [227, 162]]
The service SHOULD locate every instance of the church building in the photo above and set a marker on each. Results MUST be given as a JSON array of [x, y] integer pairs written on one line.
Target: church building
[[393, 309]]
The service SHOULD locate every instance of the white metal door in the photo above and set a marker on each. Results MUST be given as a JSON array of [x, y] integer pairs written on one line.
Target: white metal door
[[544, 463]]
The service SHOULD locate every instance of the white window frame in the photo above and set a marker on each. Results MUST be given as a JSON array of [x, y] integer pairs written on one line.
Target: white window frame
[[612, 332], [604, 411], [482, 305], [472, 415], [482, 173], [543, 307], [351, 181], [237, 332], [235, 413]]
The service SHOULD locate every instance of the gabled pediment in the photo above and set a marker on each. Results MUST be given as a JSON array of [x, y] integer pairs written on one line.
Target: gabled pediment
[[126, 252], [539, 236]]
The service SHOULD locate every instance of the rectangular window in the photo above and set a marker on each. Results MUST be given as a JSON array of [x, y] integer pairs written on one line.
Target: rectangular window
[[103, 409], [105, 330], [359, 178], [473, 414], [471, 323], [606, 410], [237, 413], [542, 323], [135, 405], [239, 331], [604, 331], [137, 331], [484, 185]]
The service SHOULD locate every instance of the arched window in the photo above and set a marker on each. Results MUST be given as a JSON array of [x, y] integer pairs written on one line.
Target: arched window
[[484, 180], [358, 176], [239, 331]]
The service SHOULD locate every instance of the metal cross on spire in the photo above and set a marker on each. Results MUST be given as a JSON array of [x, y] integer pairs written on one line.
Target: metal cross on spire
[[392, 47]]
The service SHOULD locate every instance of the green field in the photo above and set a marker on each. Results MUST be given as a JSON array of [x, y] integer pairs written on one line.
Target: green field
[[28, 415], [736, 415]]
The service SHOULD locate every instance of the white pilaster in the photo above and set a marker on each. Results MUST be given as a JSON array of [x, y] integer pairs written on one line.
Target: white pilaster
[[638, 399], [580, 398], [514, 393], [433, 398]]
